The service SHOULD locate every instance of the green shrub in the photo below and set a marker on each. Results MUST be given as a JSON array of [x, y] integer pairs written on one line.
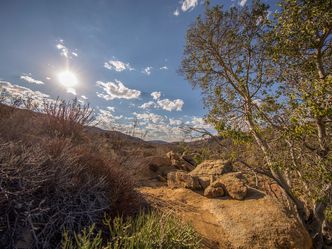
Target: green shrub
[[145, 231]]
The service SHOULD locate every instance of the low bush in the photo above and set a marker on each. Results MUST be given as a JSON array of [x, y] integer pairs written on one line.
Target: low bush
[[145, 231], [52, 186]]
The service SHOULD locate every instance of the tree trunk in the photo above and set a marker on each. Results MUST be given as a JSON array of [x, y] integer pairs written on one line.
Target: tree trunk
[[322, 138], [277, 175]]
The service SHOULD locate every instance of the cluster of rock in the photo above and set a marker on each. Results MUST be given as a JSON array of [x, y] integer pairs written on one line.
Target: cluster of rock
[[182, 162], [214, 177]]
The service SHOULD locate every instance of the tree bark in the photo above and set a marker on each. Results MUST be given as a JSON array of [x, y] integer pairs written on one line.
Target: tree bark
[[322, 138], [276, 173]]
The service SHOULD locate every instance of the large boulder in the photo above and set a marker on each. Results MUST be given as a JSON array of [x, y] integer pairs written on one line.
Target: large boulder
[[210, 170], [214, 168], [181, 179], [255, 223], [233, 184]]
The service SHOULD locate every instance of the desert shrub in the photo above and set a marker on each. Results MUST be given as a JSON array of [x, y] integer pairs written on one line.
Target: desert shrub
[[16, 124], [145, 231], [53, 185], [66, 118]]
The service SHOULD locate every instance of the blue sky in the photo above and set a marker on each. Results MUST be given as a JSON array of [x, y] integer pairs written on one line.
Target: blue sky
[[124, 54]]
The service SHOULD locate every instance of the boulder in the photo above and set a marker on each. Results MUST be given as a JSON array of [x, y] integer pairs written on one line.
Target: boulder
[[214, 168], [233, 184], [181, 179], [210, 170], [213, 192]]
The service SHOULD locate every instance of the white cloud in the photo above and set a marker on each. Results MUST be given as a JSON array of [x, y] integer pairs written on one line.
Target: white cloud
[[106, 120], [163, 131], [148, 105], [188, 5], [155, 118], [84, 97], [48, 78], [198, 122], [243, 2], [71, 91], [111, 108], [170, 105], [75, 54], [156, 95], [165, 104], [31, 80], [15, 91], [117, 65], [164, 68], [117, 90], [147, 70], [176, 122]]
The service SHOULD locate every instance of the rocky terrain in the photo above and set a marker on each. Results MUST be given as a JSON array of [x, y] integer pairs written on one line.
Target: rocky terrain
[[229, 208], [227, 205], [221, 204]]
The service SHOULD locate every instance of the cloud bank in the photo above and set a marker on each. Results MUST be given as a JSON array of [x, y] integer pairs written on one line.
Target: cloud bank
[[116, 90], [29, 79]]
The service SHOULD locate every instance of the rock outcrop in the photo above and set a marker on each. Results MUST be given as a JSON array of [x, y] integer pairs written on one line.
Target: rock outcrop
[[255, 223], [181, 179], [206, 177]]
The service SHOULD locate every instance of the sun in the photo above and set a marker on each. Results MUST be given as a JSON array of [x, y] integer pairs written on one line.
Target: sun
[[68, 79]]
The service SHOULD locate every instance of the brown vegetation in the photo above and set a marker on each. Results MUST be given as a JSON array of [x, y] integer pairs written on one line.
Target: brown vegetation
[[49, 182]]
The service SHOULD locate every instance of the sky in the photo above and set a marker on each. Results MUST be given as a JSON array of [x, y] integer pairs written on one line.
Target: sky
[[121, 56]]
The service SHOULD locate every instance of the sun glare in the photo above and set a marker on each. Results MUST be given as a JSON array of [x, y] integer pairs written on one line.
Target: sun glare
[[68, 79]]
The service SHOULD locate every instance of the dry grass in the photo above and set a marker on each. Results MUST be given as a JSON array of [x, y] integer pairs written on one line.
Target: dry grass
[[66, 118], [45, 190], [50, 182]]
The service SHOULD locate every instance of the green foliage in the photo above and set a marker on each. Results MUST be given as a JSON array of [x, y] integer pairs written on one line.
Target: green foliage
[[87, 239], [146, 231], [225, 57], [237, 135], [328, 214], [270, 78], [202, 155]]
